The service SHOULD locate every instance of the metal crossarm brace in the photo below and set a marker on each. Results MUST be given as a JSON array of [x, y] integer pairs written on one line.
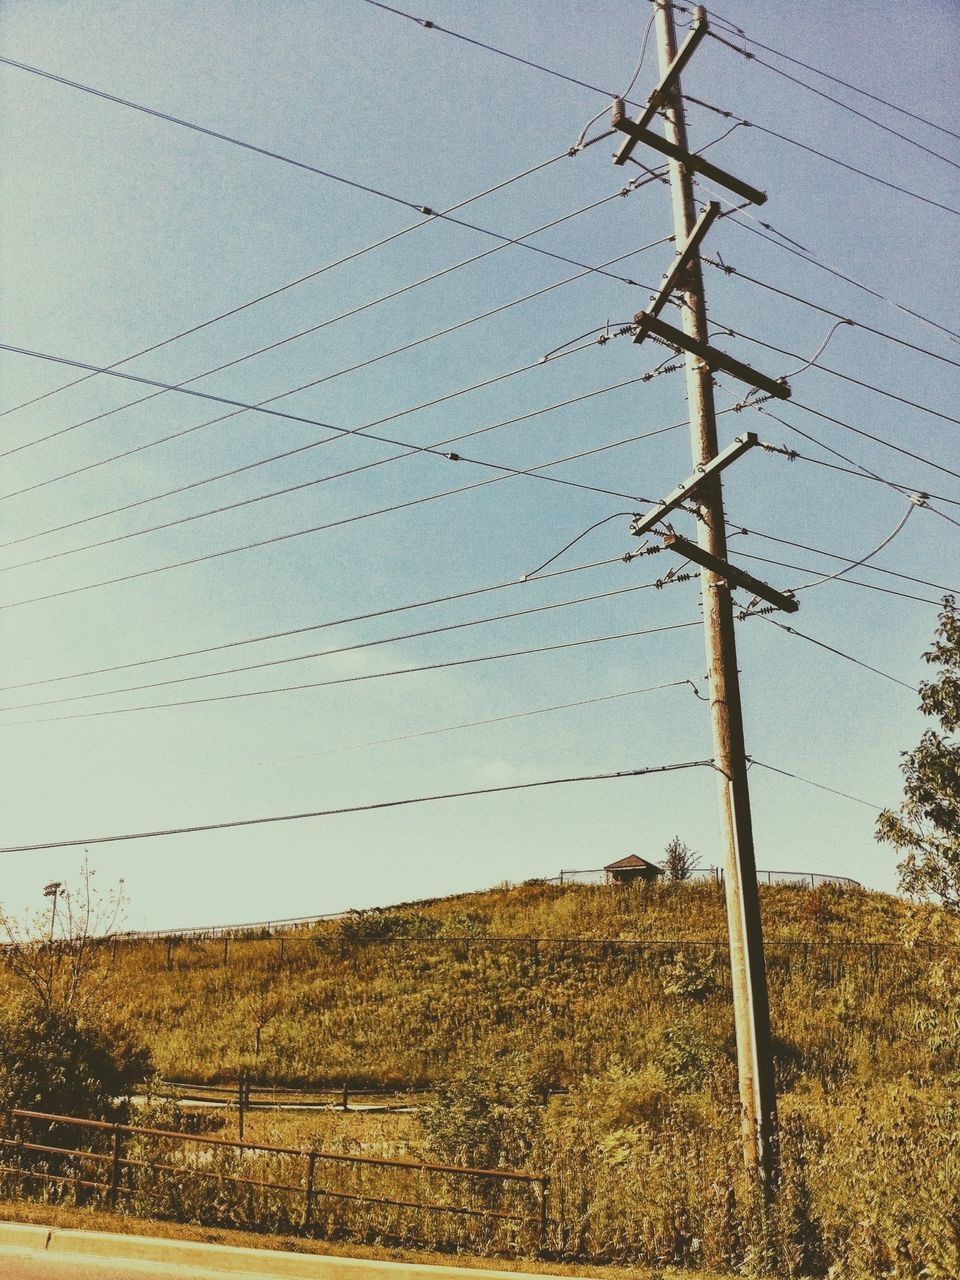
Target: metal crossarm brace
[[659, 95], [682, 262], [730, 573], [711, 357], [642, 524], [693, 162]]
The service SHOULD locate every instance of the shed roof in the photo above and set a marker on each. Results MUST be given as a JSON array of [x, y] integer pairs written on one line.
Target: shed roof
[[630, 861]]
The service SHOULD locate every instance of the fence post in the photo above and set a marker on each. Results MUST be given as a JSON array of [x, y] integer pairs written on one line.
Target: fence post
[[282, 940], [226, 947], [544, 1212], [115, 1167], [170, 953], [346, 1096], [308, 1200], [241, 1098]]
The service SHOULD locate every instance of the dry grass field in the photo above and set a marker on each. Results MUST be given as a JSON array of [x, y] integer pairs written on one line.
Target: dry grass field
[[587, 1032]]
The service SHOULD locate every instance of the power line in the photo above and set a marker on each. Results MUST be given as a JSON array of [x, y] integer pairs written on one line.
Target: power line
[[185, 388], [759, 764], [838, 652], [823, 155], [418, 205], [868, 435], [837, 102], [314, 444], [363, 432], [429, 25], [315, 626], [835, 555], [827, 311], [843, 581], [311, 275], [469, 724], [857, 469], [505, 474], [370, 675], [358, 808], [807, 255], [424, 633], [125, 453], [862, 561], [853, 110], [846, 377], [835, 79]]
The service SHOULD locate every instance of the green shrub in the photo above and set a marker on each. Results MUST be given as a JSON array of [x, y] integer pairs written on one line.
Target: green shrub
[[52, 1061]]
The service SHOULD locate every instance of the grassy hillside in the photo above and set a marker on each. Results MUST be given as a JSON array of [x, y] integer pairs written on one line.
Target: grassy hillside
[[569, 978], [588, 1031]]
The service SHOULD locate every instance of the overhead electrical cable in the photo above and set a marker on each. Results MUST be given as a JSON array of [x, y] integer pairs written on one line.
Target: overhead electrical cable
[[845, 106], [355, 646], [836, 80], [838, 652], [456, 728], [437, 448], [150, 444], [843, 581], [847, 426], [360, 808], [419, 206], [852, 168], [868, 435], [835, 555], [240, 503], [822, 155], [846, 377], [113, 371], [291, 284], [854, 468], [384, 612], [862, 473], [358, 679], [505, 474], [827, 311], [759, 764], [819, 582], [807, 255], [429, 25], [314, 444], [363, 432]]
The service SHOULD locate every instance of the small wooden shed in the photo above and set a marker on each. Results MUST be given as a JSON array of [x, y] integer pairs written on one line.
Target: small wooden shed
[[630, 869]]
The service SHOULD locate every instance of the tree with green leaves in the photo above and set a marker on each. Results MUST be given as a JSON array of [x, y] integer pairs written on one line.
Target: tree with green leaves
[[926, 827], [61, 1048]]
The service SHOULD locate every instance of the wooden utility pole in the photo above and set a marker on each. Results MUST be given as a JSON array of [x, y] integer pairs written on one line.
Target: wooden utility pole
[[750, 1000]]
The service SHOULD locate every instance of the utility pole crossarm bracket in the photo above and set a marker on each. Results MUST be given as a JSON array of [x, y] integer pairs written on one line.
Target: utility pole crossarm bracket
[[683, 259], [692, 161], [730, 573], [642, 524], [646, 321], [660, 93]]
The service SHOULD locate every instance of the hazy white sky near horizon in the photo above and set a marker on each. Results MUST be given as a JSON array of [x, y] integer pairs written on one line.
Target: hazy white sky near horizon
[[120, 230]]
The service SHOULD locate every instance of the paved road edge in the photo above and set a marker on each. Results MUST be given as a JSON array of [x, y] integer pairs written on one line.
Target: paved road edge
[[226, 1258]]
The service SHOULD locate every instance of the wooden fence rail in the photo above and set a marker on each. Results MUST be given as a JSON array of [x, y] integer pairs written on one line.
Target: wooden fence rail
[[153, 1166]]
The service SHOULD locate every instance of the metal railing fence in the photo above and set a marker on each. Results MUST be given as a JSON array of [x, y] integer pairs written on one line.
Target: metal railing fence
[[221, 1181]]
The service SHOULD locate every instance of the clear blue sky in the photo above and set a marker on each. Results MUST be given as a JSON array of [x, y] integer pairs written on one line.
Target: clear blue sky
[[120, 230]]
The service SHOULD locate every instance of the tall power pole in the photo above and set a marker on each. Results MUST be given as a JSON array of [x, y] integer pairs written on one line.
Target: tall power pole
[[750, 999]]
